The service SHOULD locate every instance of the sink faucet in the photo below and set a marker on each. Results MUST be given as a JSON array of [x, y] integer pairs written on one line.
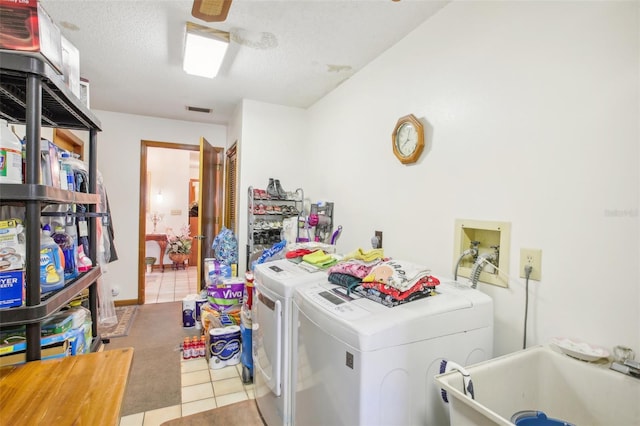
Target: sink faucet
[[628, 367]]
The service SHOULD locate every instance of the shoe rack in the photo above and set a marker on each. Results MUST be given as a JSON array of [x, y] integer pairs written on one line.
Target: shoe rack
[[267, 210]]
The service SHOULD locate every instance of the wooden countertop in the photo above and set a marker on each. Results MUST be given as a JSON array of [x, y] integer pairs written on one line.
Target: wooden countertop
[[76, 390]]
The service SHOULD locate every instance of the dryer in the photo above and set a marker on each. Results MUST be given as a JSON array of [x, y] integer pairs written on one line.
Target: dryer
[[274, 284], [362, 363]]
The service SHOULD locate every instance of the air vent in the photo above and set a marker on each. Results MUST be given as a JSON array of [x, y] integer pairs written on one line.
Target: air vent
[[198, 109]]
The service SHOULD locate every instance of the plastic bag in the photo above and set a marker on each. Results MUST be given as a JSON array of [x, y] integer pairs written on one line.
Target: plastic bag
[[274, 253], [225, 247]]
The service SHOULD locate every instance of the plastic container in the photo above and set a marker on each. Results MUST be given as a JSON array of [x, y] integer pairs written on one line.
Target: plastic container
[[186, 348], [69, 251], [536, 418], [541, 379], [67, 177], [51, 266], [82, 319], [10, 155]]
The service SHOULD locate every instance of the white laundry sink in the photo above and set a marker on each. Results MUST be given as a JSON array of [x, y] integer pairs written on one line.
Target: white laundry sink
[[541, 379]]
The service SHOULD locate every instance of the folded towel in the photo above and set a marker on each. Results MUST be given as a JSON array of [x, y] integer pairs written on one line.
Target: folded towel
[[367, 256], [297, 253], [318, 257]]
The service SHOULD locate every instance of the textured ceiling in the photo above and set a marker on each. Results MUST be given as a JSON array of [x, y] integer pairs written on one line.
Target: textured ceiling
[[284, 52]]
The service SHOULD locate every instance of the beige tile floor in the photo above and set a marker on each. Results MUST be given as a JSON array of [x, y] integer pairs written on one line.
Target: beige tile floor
[[202, 389], [170, 285]]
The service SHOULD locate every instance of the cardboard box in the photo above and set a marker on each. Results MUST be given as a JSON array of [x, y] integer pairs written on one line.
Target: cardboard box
[[14, 340], [84, 92], [56, 350], [56, 324], [26, 28], [12, 245], [11, 289], [71, 66]]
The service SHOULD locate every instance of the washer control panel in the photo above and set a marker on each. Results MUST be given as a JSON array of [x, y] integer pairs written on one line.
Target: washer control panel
[[336, 303]]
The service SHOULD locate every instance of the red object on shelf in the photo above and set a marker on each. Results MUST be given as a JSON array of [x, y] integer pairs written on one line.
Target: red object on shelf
[[26, 27]]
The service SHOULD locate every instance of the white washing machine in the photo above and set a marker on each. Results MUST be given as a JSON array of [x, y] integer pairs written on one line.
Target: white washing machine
[[361, 363], [275, 283]]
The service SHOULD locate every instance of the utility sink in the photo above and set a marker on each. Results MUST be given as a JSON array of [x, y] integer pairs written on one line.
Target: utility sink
[[542, 379]]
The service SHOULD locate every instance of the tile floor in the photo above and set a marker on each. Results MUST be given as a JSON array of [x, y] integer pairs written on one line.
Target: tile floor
[[169, 286], [202, 389]]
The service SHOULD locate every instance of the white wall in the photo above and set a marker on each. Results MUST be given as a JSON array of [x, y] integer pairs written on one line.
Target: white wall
[[532, 118], [119, 163], [272, 146], [169, 174], [532, 115]]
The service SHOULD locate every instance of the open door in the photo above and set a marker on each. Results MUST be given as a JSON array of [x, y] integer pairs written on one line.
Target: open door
[[209, 204]]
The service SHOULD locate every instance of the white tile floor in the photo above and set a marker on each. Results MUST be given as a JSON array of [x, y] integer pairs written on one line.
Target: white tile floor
[[169, 286], [202, 389]]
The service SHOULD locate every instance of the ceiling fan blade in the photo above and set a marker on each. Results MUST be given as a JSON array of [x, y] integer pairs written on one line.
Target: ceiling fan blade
[[211, 10]]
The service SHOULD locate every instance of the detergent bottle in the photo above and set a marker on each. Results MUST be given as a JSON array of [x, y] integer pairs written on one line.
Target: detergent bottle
[[51, 266], [68, 246]]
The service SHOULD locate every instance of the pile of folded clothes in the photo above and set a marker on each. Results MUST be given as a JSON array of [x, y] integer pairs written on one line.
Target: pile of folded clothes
[[387, 281]]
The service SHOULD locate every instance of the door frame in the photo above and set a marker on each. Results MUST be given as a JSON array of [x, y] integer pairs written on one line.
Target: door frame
[[142, 220]]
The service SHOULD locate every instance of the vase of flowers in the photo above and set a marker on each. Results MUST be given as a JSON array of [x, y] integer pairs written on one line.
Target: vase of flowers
[[179, 245]]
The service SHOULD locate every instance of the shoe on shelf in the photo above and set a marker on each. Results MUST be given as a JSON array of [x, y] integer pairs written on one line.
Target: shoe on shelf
[[281, 192], [271, 190]]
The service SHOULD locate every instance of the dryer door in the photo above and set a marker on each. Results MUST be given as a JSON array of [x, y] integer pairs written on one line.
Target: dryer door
[[267, 348]]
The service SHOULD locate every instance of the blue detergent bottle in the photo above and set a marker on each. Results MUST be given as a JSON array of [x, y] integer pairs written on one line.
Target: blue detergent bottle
[[68, 246], [51, 269]]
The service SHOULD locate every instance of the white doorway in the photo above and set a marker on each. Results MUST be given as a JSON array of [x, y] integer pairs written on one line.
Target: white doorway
[[171, 170]]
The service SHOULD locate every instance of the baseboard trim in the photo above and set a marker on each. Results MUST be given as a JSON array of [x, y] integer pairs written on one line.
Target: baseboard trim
[[126, 302]]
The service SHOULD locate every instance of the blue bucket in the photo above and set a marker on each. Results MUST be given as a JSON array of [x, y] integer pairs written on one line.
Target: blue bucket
[[536, 418]]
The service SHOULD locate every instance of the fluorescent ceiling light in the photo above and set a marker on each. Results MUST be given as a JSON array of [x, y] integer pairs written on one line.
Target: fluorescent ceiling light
[[204, 50]]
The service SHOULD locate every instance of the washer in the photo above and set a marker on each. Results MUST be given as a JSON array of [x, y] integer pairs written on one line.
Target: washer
[[275, 283], [361, 363]]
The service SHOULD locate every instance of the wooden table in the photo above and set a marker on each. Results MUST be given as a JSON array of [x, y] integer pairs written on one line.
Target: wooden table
[[76, 390], [161, 239]]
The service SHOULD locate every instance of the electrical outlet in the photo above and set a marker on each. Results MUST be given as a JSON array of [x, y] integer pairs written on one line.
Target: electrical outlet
[[533, 258]]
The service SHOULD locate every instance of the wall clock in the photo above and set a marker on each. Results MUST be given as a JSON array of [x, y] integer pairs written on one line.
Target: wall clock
[[408, 139]]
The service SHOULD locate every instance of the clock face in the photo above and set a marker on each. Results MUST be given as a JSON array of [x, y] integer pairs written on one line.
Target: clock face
[[406, 139]]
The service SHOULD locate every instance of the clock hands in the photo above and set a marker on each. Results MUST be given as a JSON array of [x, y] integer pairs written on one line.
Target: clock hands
[[408, 139]]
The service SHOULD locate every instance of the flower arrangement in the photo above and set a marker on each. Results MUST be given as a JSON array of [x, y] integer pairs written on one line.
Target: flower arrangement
[[179, 243]]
